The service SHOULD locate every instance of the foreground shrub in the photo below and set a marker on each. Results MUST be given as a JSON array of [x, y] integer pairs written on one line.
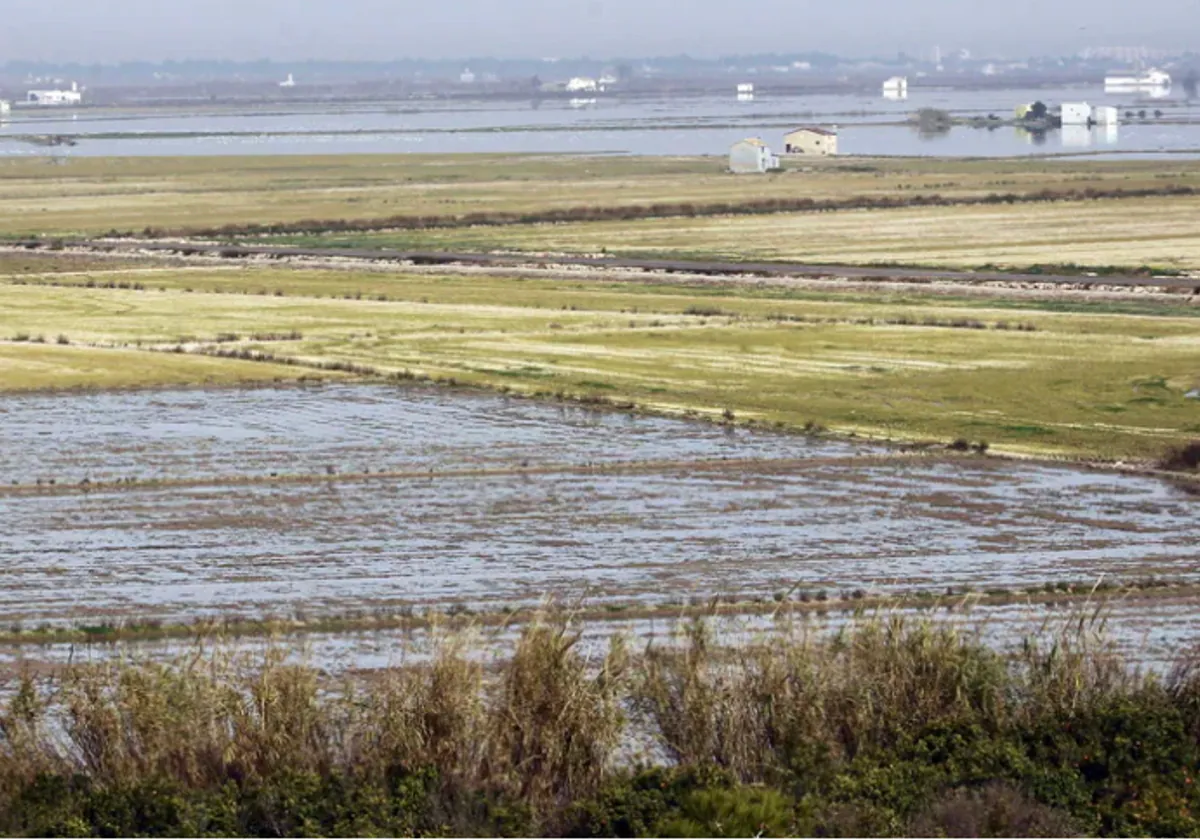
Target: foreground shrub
[[995, 810], [888, 727], [1186, 457]]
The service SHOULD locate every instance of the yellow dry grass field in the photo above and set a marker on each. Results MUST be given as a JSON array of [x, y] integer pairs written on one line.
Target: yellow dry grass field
[[1032, 379], [30, 366], [1159, 232], [96, 195]]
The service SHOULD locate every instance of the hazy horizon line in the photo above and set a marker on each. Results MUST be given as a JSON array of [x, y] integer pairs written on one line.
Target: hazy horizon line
[[569, 59]]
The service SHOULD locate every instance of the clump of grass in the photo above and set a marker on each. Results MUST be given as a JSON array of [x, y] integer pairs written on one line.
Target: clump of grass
[[706, 311], [1182, 458]]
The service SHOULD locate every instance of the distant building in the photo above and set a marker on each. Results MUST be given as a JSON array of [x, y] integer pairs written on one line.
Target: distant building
[[466, 76], [1076, 113], [750, 156], [1153, 82], [583, 84], [896, 88], [1106, 115], [810, 140], [55, 97], [5, 107], [289, 82]]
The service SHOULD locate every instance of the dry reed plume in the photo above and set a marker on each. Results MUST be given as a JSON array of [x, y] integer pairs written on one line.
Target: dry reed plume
[[886, 727]]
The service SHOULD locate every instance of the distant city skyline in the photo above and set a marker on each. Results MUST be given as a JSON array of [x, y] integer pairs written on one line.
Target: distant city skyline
[[378, 30]]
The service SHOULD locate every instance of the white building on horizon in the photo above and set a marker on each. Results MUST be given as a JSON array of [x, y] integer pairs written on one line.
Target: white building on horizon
[[583, 84], [896, 88], [1153, 82], [74, 96]]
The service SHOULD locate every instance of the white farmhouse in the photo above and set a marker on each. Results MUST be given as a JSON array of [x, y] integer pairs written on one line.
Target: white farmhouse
[[1076, 113], [750, 156], [582, 84], [896, 88], [55, 97]]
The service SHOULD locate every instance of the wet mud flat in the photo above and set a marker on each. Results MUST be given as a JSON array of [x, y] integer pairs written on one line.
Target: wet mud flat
[[324, 500]]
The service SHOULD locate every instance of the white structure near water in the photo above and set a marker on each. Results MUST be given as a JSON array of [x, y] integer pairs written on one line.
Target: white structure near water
[[289, 82], [1076, 113], [583, 84], [1106, 115], [745, 92], [1152, 82], [5, 107], [55, 97], [896, 88], [751, 156]]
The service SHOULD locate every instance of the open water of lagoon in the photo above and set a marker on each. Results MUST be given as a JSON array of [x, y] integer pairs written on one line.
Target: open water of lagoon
[[487, 500], [610, 124]]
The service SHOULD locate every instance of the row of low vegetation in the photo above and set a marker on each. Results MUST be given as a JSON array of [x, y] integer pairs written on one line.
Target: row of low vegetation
[[887, 728], [795, 603], [625, 212]]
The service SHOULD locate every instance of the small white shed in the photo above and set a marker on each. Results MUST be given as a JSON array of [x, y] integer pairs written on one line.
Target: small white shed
[[896, 88], [751, 155], [1076, 113], [1106, 115]]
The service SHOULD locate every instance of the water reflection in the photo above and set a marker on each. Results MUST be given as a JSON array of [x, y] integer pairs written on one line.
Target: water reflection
[[1072, 136], [1076, 137], [1031, 136]]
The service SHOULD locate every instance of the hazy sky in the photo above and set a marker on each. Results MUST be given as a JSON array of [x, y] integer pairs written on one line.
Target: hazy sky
[[116, 30]]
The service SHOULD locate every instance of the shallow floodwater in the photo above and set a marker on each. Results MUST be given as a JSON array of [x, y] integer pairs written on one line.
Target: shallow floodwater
[[610, 123], [488, 500], [1155, 634]]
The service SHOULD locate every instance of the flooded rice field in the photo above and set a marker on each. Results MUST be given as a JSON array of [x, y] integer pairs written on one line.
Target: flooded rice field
[[608, 123], [175, 505]]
